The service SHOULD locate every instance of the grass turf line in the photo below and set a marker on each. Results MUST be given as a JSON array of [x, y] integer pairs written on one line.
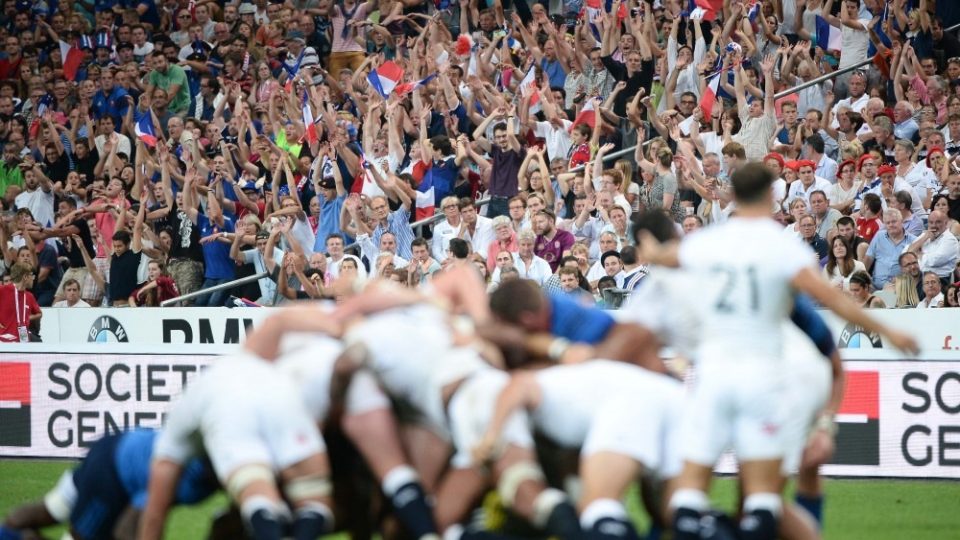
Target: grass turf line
[[855, 509]]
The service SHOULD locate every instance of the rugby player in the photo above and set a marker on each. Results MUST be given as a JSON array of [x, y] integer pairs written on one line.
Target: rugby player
[[249, 419], [621, 417], [103, 497], [429, 362], [738, 398]]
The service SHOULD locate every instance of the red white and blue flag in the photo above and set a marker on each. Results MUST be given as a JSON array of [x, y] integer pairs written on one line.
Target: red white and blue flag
[[309, 126], [426, 205], [587, 115], [828, 36], [144, 129], [385, 78], [406, 88], [71, 57], [709, 97], [705, 9]]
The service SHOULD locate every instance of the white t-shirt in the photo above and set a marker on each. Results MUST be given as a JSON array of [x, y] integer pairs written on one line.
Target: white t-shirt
[[557, 139], [63, 303], [853, 44]]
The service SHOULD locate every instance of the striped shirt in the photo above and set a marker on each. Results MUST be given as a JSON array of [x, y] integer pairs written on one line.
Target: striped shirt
[[398, 223]]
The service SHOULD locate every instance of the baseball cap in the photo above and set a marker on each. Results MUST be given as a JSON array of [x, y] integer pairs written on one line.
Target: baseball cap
[[327, 183], [247, 9]]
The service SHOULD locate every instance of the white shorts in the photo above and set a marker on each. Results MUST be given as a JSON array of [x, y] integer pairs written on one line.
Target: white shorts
[[641, 428], [271, 427], [810, 384], [364, 394], [471, 409], [739, 405]]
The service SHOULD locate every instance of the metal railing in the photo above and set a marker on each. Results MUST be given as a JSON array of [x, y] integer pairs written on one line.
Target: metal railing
[[215, 288]]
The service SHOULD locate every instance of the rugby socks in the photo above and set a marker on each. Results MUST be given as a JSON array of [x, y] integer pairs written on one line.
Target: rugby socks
[[688, 507], [814, 505], [402, 486], [311, 520], [554, 513], [607, 519], [264, 518], [760, 514]]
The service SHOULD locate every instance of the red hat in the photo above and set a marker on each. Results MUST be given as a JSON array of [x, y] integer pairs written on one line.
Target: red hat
[[793, 165], [806, 163], [884, 169], [843, 164], [862, 159], [776, 156], [934, 150]]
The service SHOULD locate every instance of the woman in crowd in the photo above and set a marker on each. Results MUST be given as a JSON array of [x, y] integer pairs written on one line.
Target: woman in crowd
[[841, 264], [159, 287], [860, 288]]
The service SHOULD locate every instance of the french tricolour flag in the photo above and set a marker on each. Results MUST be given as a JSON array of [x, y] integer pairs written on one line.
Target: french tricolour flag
[[709, 97], [72, 57], [828, 37], [144, 129], [426, 205], [530, 81], [705, 9], [406, 88], [385, 78], [310, 128], [587, 115]]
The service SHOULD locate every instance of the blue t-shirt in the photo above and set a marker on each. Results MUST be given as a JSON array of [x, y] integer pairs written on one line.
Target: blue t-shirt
[[444, 176], [329, 222], [573, 321], [132, 458], [216, 254]]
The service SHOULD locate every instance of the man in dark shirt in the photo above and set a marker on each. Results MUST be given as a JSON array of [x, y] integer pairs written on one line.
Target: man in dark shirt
[[953, 196], [808, 231], [637, 73], [123, 269], [72, 225], [506, 155]]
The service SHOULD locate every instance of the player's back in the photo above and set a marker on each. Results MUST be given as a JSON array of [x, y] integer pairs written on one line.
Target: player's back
[[743, 270]]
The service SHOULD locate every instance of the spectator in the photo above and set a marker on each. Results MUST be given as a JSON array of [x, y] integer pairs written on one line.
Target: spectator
[[476, 229], [808, 233], [158, 287], [861, 287], [506, 240], [172, 80], [18, 308], [937, 247], [446, 229], [933, 295], [551, 243], [214, 228], [841, 264], [527, 263], [883, 253], [268, 287], [123, 269], [422, 265], [825, 216], [506, 155], [71, 295]]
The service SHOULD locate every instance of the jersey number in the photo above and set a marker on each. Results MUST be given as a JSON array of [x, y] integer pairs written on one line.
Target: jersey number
[[725, 302]]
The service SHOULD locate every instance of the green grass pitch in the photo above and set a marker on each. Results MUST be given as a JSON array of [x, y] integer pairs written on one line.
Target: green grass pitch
[[855, 509]]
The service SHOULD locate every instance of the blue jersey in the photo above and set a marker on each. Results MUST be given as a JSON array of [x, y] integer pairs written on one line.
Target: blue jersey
[[573, 321], [132, 459], [805, 316]]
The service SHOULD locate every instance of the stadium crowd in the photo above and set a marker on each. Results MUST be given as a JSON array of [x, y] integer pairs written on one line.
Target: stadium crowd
[[153, 149]]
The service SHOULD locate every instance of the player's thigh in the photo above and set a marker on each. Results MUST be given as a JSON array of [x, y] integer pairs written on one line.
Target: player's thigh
[[606, 475], [707, 422], [458, 493], [376, 435], [760, 422]]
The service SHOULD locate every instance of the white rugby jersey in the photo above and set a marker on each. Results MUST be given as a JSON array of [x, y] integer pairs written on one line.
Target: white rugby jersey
[[742, 270]]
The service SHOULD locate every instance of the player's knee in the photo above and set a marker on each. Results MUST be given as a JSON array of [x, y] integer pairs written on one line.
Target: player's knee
[[246, 477], [313, 487], [513, 477]]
